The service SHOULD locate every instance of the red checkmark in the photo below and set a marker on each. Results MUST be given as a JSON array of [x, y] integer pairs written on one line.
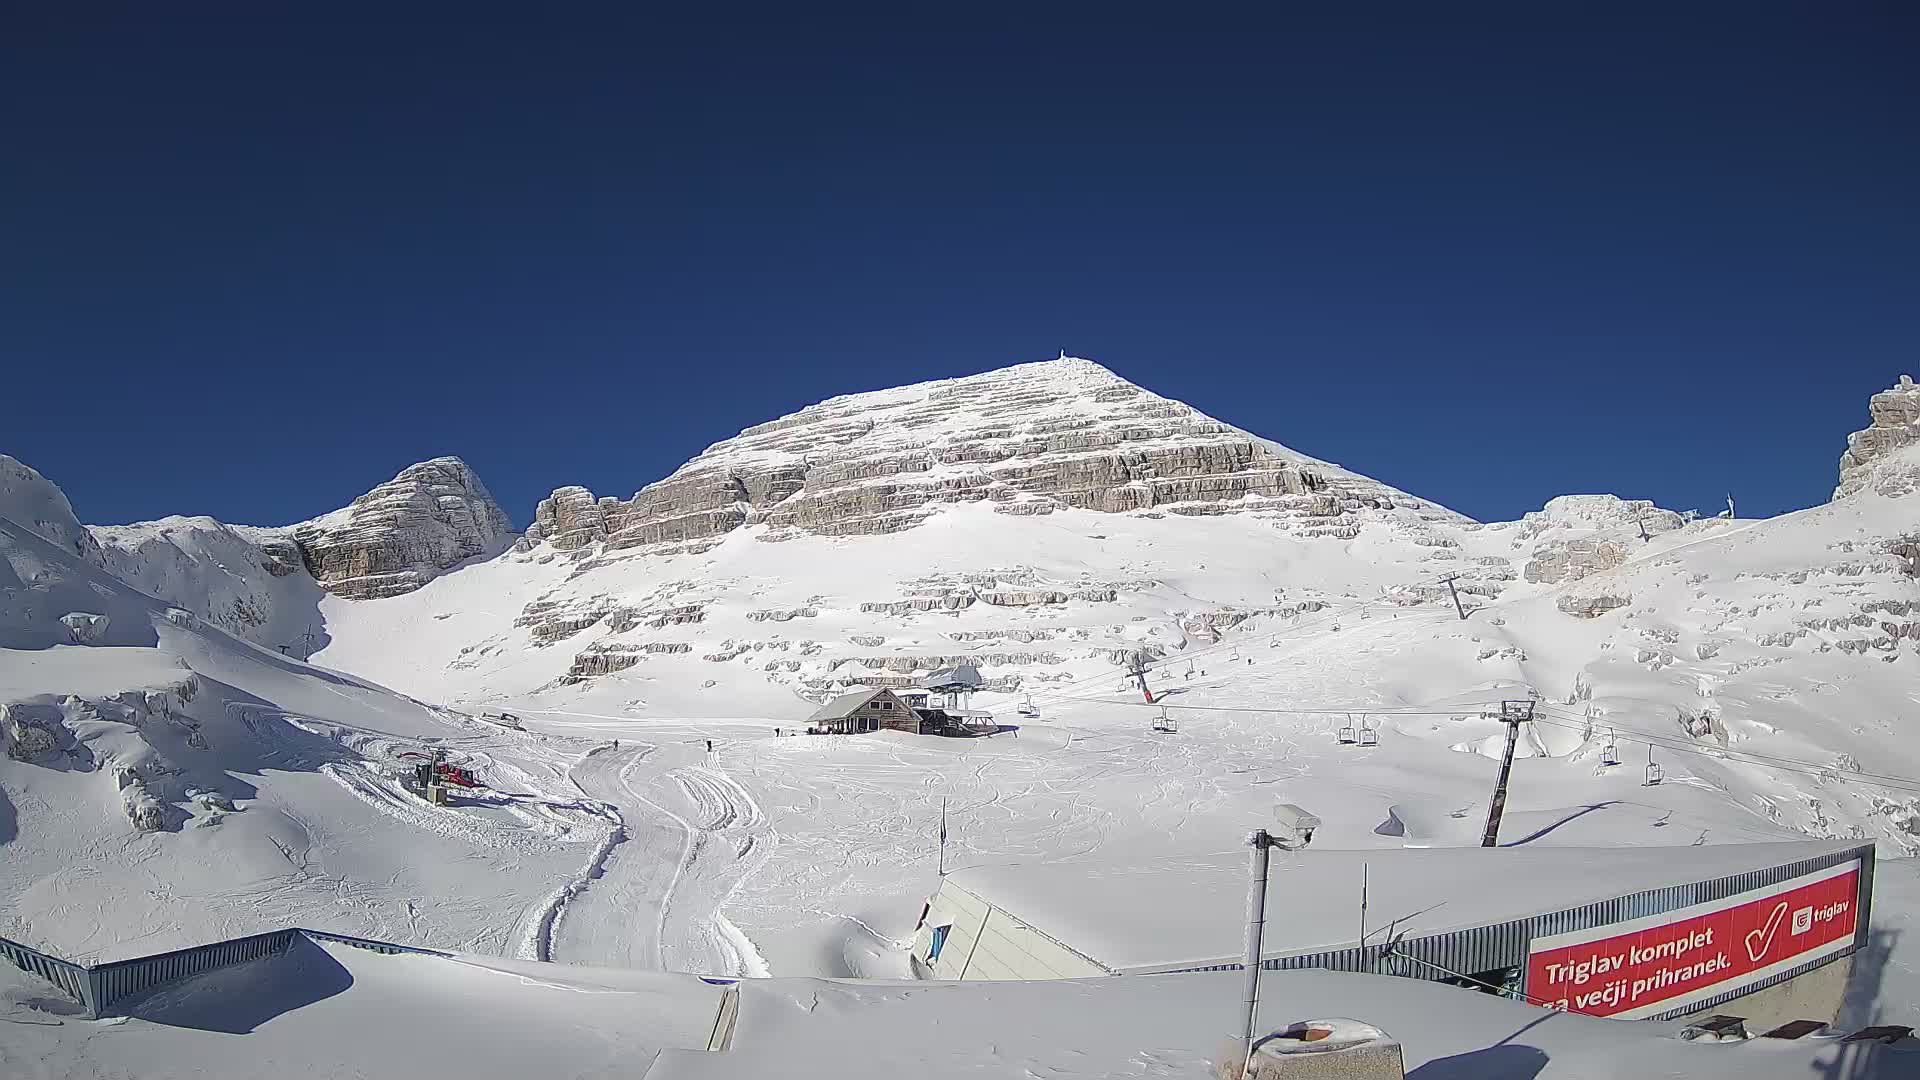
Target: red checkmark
[[1759, 941]]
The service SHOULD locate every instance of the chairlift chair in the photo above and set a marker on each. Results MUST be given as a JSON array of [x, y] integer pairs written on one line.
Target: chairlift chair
[[1369, 735], [1655, 773], [1165, 724], [1028, 709], [1610, 753], [1347, 734]]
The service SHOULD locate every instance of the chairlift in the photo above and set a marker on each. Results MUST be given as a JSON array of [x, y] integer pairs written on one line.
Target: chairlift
[[1189, 669], [1165, 724], [1610, 753], [1369, 735], [1028, 708], [1655, 773], [1347, 735], [1236, 652]]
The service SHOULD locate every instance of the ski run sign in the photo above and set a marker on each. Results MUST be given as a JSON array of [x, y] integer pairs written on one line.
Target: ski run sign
[[1655, 964]]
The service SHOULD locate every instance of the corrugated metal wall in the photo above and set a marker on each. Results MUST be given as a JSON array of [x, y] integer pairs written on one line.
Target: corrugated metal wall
[[100, 986], [122, 978], [66, 976], [1437, 956], [1504, 945]]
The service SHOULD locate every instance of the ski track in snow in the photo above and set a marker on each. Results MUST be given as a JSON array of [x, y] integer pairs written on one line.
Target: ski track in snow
[[352, 758], [692, 834]]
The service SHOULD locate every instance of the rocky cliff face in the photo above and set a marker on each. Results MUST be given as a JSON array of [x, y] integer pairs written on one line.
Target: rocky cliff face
[[1030, 439], [1869, 460], [396, 537]]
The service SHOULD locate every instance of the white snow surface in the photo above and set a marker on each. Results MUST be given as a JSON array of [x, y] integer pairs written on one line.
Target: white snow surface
[[1118, 913], [331, 1010], [1774, 663], [334, 1010]]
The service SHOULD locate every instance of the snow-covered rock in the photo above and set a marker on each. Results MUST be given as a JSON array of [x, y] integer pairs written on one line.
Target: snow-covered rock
[[252, 583], [401, 534], [1895, 415], [33, 501], [85, 627], [1029, 439]]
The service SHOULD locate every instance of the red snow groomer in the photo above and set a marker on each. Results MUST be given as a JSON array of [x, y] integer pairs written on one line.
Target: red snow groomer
[[428, 774], [455, 775]]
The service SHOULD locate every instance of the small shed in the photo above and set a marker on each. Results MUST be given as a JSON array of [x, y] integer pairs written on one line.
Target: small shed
[[864, 710]]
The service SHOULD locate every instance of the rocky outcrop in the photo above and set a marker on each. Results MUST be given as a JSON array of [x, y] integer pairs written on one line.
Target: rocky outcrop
[[401, 534], [569, 519], [1592, 606], [1028, 439], [85, 627], [26, 737], [783, 614], [1869, 460], [608, 657], [1574, 559]]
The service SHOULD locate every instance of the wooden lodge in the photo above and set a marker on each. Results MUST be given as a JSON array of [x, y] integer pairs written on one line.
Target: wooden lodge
[[864, 710]]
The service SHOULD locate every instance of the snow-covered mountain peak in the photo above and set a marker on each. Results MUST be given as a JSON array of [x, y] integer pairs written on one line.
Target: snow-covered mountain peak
[[399, 535], [1874, 457], [1030, 439], [37, 504]]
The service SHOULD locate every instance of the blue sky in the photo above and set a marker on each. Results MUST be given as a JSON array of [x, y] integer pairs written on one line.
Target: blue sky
[[253, 264]]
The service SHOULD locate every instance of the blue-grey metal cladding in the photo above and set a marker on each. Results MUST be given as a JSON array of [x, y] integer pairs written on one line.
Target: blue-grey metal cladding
[[100, 986], [1505, 945], [122, 978], [65, 976], [369, 944]]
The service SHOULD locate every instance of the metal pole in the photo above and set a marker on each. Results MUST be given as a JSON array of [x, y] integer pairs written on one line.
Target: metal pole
[[1456, 597], [1260, 841], [1511, 716]]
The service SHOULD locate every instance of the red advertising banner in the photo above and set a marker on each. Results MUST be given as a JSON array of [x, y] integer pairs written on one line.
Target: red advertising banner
[[1664, 961]]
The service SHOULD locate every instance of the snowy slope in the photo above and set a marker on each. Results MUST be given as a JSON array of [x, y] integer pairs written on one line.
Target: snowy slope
[[1772, 662], [165, 783], [249, 582], [1050, 524]]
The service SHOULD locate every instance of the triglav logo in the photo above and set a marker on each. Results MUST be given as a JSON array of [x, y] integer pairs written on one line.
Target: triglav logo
[[1802, 921]]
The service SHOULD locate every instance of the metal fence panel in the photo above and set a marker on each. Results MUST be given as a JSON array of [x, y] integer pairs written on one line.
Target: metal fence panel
[[65, 976], [1496, 946]]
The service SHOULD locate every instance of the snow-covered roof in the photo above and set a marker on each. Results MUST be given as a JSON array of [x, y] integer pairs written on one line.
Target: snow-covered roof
[[1173, 912], [844, 704], [1173, 1026], [964, 676], [330, 1009]]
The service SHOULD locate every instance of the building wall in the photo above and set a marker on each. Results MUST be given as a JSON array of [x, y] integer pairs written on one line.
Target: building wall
[[983, 942], [986, 942], [1811, 995], [874, 716]]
